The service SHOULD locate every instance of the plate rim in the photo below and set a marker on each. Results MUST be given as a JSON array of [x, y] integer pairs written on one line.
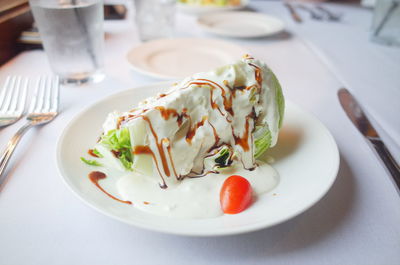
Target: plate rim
[[164, 77], [212, 30], [234, 231]]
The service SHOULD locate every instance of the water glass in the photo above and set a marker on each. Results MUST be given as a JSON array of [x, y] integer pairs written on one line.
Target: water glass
[[386, 22], [154, 18], [73, 37]]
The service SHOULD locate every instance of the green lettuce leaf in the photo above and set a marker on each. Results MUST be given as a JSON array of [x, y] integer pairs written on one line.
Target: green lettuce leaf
[[280, 100], [91, 162], [119, 141], [222, 158], [263, 142], [96, 152]]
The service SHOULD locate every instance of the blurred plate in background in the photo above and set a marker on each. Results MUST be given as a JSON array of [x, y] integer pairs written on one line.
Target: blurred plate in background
[[182, 57], [240, 24], [196, 8]]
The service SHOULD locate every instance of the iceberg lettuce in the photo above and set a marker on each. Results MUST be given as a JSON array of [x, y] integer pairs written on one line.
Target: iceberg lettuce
[[119, 143], [203, 124], [262, 134]]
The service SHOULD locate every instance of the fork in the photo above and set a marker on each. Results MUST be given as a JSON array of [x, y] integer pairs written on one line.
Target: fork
[[42, 109], [12, 99], [313, 14], [293, 13], [331, 16]]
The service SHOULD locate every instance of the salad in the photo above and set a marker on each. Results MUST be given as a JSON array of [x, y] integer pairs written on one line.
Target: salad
[[212, 2], [192, 137]]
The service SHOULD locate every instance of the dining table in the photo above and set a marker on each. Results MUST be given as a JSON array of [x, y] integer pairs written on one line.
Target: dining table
[[356, 222]]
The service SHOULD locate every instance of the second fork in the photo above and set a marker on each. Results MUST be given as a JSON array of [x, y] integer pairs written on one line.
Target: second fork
[[43, 109]]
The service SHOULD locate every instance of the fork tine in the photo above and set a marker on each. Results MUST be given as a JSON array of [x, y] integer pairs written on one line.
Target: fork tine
[[40, 95], [35, 96], [55, 96], [47, 95], [4, 90], [16, 94], [21, 103], [8, 96]]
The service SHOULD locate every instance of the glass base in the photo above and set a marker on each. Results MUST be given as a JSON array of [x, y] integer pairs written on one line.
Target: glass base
[[82, 78]]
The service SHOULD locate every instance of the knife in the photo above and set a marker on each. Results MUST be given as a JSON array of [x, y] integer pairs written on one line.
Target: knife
[[360, 120], [296, 17]]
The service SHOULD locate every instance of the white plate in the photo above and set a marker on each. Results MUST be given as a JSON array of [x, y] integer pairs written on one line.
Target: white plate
[[240, 24], [178, 58], [198, 9], [307, 160]]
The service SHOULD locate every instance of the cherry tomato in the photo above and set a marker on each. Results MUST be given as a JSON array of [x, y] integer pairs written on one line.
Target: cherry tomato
[[235, 195]]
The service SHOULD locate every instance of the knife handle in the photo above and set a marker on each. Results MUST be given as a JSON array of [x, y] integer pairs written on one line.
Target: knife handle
[[387, 159]]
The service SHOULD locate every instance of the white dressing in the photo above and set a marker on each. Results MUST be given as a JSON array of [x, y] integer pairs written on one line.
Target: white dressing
[[193, 197]]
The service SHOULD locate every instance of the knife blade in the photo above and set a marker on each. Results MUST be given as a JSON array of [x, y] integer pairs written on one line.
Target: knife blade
[[364, 126]]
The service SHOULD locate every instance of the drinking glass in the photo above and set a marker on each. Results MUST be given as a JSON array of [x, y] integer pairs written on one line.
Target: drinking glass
[[73, 37], [154, 18], [386, 22]]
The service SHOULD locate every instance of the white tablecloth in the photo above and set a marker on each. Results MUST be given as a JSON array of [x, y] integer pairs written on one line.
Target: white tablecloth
[[357, 222]]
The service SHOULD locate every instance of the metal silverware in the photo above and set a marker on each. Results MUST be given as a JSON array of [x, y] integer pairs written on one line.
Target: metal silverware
[[313, 14], [360, 120], [43, 109], [385, 19], [296, 17], [12, 100], [331, 16]]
